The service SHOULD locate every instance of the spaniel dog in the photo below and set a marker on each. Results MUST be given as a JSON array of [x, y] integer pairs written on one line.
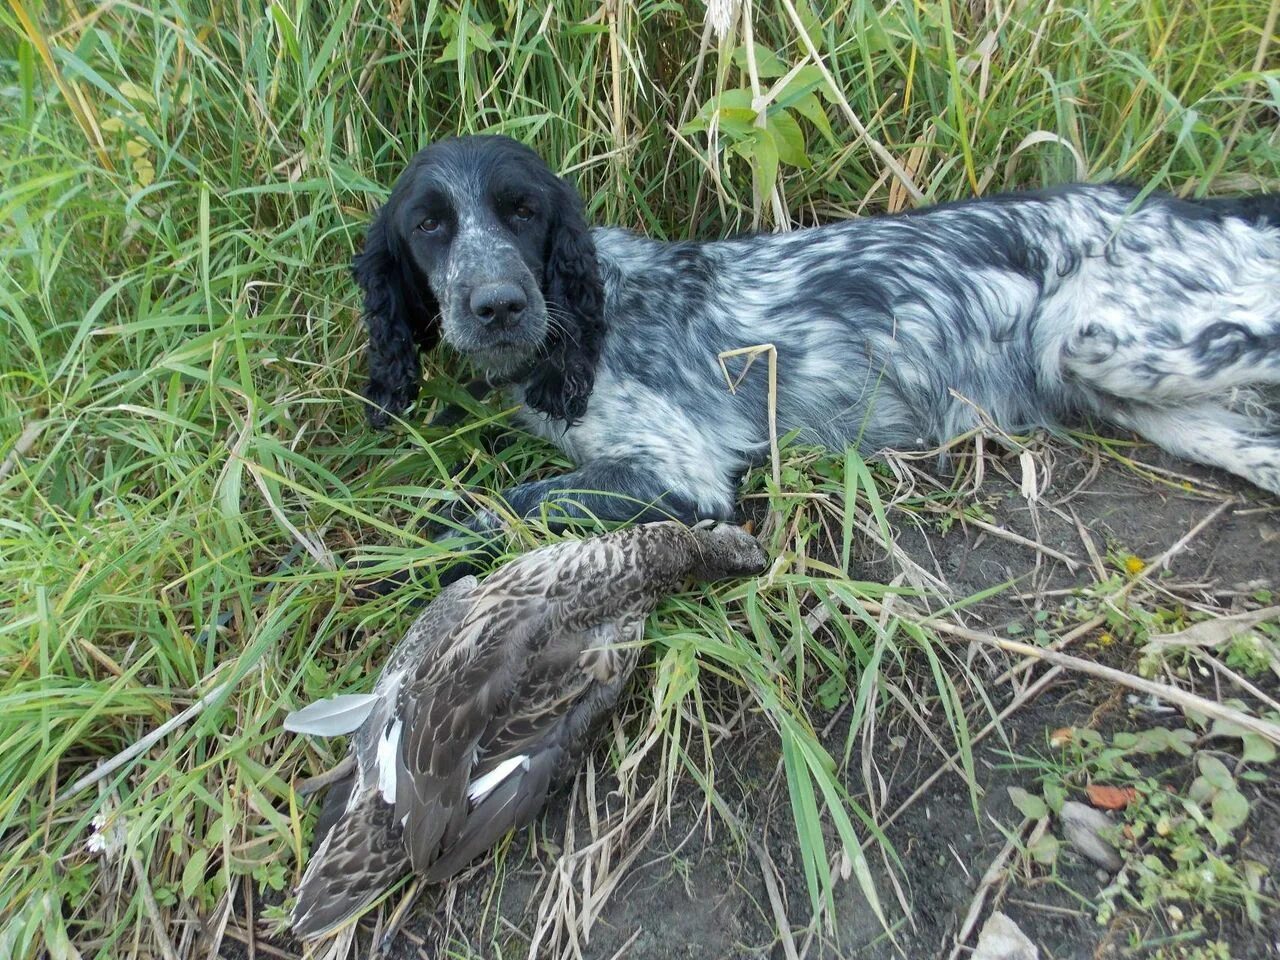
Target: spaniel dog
[[1154, 314]]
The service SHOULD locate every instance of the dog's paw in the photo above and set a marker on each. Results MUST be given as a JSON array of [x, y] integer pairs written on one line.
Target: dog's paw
[[384, 401]]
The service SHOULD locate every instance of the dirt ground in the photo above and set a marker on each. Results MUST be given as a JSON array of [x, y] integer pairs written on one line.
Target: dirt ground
[[696, 892]]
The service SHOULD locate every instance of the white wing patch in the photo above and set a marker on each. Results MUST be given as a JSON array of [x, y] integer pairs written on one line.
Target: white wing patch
[[332, 716], [481, 787], [388, 750]]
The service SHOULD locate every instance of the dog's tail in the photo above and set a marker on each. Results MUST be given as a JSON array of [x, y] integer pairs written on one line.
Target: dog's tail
[[1259, 208]]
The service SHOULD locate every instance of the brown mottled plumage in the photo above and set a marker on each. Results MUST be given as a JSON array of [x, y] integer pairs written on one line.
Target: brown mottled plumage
[[487, 703]]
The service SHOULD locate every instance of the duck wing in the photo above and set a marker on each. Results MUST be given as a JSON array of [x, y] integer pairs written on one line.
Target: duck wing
[[549, 602], [433, 630], [358, 850], [444, 711], [358, 859], [532, 746]]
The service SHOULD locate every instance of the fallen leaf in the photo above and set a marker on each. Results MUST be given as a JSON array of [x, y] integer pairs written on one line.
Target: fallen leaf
[[1061, 737], [1110, 798], [1212, 633]]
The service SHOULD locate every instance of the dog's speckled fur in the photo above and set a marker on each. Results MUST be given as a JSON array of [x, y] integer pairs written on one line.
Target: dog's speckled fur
[[1040, 309]]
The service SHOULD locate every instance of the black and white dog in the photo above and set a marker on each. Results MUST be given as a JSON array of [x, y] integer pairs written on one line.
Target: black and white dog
[[1160, 316]]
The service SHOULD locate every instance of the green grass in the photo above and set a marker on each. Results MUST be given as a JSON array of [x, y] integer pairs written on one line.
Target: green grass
[[181, 192]]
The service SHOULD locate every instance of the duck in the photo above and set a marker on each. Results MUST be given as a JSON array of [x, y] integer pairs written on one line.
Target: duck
[[487, 705]]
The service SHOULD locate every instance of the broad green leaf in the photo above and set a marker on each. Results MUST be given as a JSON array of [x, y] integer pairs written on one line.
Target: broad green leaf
[[812, 22], [1028, 804], [1230, 809], [1055, 795], [739, 124], [1201, 791], [1257, 749], [1215, 772], [1044, 849], [802, 83], [788, 137], [760, 149], [737, 98], [193, 872], [768, 63]]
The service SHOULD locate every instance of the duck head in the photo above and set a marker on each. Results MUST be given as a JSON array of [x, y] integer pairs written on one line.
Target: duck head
[[724, 550]]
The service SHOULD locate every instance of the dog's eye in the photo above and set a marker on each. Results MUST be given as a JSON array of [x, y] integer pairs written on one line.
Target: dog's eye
[[523, 211], [429, 225]]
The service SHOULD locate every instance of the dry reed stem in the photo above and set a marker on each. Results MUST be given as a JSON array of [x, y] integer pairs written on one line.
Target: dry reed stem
[[143, 745], [22, 446], [751, 354], [1181, 698], [873, 144], [151, 907], [996, 873]]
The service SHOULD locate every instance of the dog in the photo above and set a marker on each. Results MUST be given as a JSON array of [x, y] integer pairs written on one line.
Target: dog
[[1037, 310]]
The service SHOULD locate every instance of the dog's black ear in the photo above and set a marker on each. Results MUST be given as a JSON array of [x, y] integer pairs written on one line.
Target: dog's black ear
[[563, 379], [401, 316]]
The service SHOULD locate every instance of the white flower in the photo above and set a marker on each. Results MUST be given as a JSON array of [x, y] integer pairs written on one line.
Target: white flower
[[107, 838]]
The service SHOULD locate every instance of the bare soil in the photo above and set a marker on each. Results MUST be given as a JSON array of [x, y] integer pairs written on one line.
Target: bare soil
[[695, 891]]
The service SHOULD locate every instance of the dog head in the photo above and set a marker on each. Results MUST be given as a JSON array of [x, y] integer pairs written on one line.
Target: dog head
[[482, 244]]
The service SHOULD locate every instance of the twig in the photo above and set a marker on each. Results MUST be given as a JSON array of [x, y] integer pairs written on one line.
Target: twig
[[751, 353], [236, 933], [310, 785], [1161, 691], [397, 917], [219, 926], [920, 722], [770, 873], [1161, 561], [1064, 641], [1098, 568], [26, 440], [996, 872], [1157, 564], [617, 954], [1243, 683], [1049, 908], [249, 919], [143, 745], [1029, 694], [1072, 564], [152, 908]]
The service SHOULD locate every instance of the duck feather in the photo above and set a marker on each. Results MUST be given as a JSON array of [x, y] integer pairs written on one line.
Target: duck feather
[[332, 716], [488, 703]]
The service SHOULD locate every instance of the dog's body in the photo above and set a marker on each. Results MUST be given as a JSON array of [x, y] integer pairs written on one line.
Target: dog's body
[[1036, 310]]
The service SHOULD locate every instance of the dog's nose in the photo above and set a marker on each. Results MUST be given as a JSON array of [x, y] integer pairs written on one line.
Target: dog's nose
[[498, 304]]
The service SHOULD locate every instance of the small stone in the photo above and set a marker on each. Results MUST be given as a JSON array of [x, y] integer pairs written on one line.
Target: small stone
[[1084, 826], [1001, 939]]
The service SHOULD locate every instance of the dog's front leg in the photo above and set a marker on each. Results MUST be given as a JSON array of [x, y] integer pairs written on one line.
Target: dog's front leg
[[601, 492], [613, 491]]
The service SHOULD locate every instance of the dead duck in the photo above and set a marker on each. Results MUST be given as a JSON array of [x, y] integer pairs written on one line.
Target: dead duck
[[487, 703]]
